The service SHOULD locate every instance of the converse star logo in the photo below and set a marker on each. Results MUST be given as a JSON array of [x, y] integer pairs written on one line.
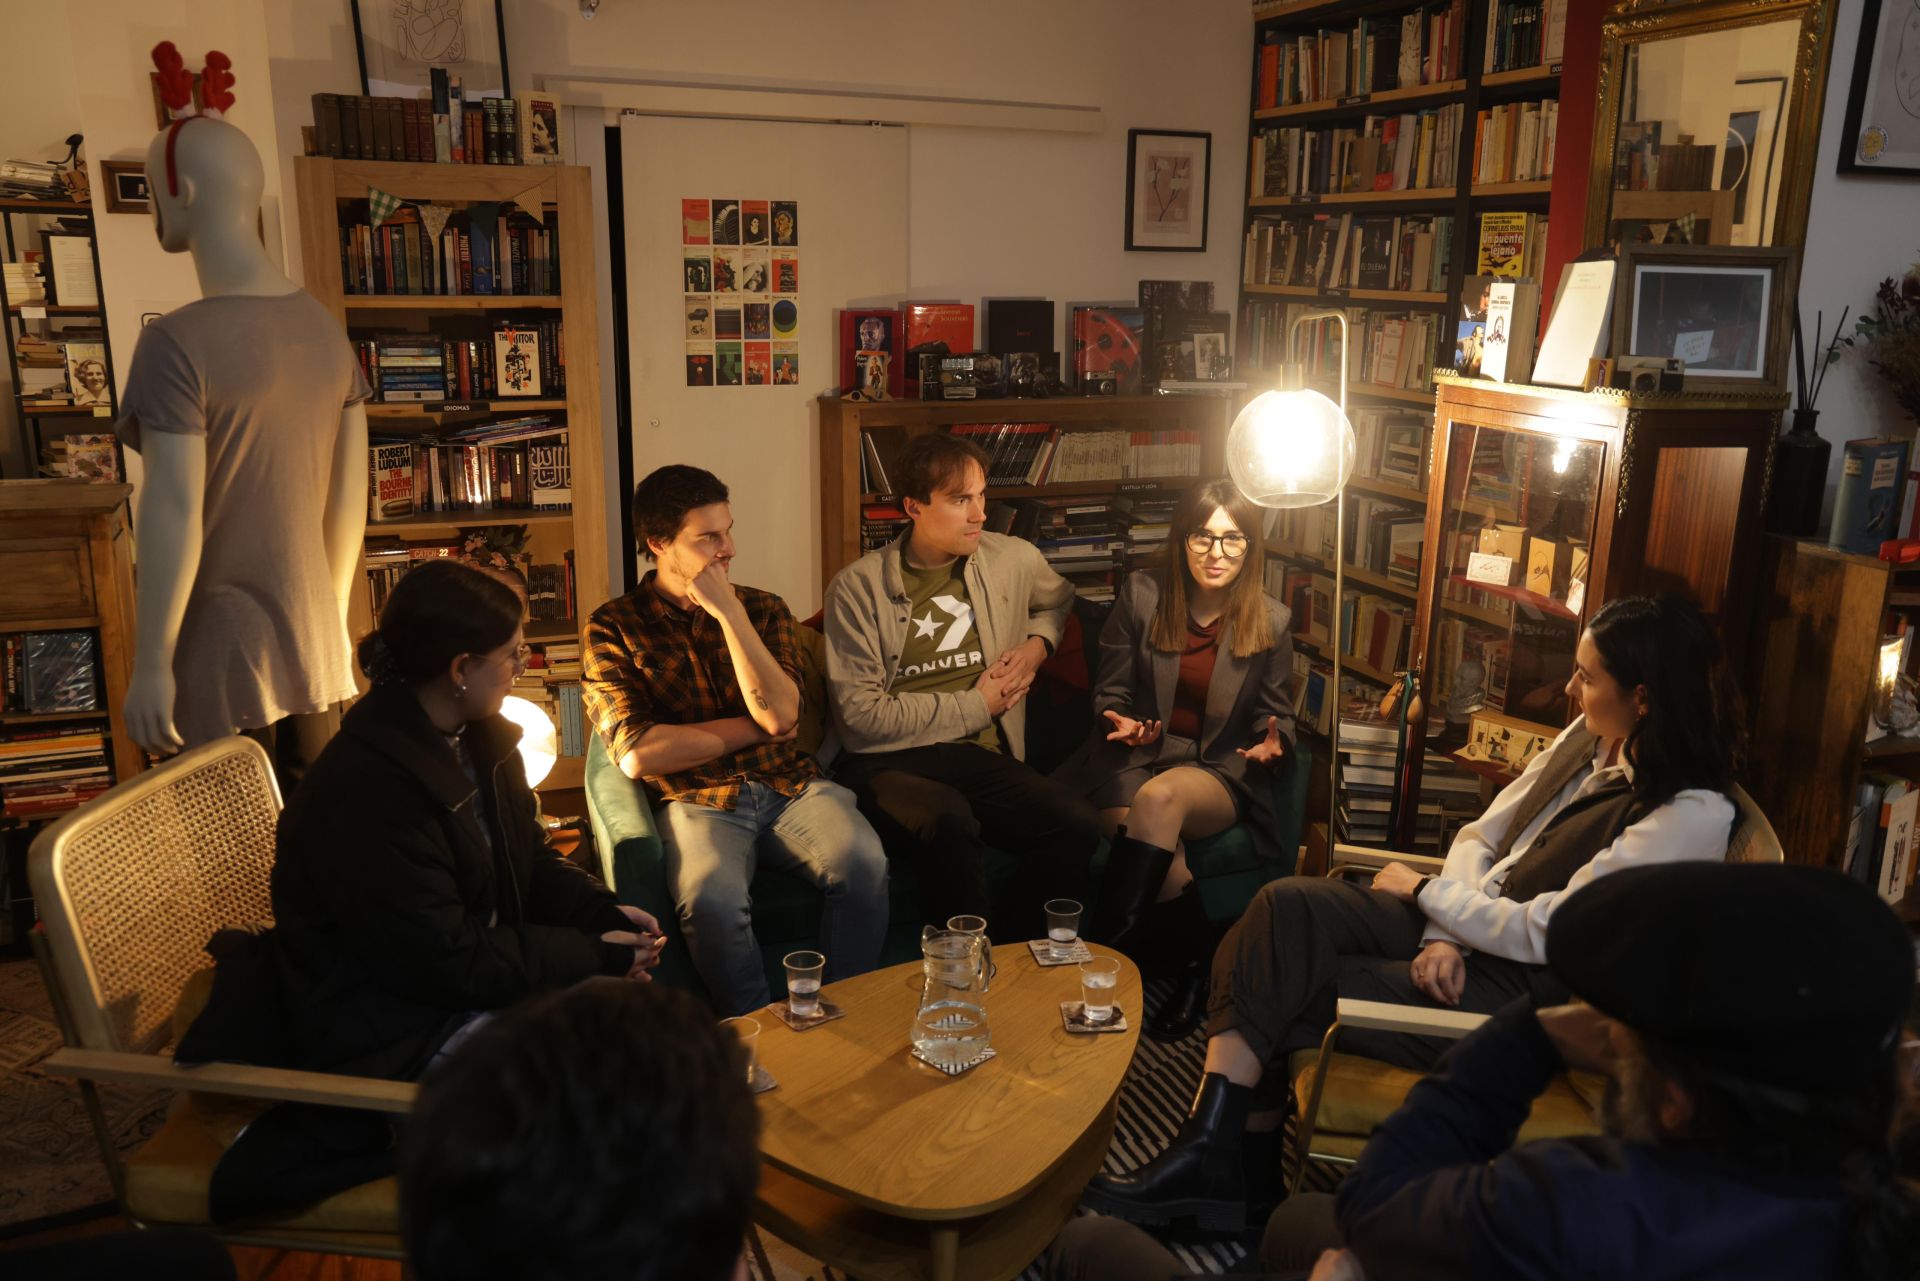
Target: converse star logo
[[926, 626], [962, 614]]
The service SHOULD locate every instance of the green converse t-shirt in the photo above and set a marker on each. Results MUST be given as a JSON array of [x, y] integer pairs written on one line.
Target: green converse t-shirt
[[942, 654]]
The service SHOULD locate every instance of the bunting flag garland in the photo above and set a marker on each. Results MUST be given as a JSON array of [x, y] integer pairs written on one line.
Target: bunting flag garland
[[434, 217], [382, 204]]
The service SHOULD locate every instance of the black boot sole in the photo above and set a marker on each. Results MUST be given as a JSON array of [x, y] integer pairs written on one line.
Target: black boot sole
[[1209, 1215]]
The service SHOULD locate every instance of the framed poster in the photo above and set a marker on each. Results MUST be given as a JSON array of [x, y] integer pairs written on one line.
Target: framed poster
[[126, 184], [400, 41], [1167, 190], [1882, 130], [1716, 307]]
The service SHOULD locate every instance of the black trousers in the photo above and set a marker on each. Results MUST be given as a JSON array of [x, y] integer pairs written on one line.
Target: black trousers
[[934, 807], [1305, 941], [295, 743], [1100, 1249]]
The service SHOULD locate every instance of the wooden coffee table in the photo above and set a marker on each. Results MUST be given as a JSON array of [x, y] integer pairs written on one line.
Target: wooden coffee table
[[885, 1168]]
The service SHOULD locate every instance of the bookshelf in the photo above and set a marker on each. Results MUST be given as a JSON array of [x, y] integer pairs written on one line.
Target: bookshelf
[[329, 188], [66, 557], [49, 322], [843, 494]]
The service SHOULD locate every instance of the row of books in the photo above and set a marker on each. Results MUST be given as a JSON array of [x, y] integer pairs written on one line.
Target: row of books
[[1880, 834], [1410, 151], [1374, 54], [23, 281], [506, 360], [44, 672], [1041, 454], [509, 255], [1524, 33], [1391, 445], [552, 683], [47, 771], [524, 469], [1374, 629], [550, 587], [1340, 251], [1644, 163], [442, 126], [1514, 142]]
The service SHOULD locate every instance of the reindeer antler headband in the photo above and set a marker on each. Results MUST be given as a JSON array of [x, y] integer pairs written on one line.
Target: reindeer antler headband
[[176, 90]]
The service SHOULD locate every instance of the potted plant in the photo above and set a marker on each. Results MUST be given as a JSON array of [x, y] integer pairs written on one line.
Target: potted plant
[[1891, 337]]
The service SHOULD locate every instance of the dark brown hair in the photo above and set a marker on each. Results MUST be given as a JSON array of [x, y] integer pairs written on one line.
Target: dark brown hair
[[933, 461], [663, 498], [438, 611], [1249, 629]]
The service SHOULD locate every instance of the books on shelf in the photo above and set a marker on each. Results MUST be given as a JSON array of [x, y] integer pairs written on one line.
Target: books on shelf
[[1407, 151], [508, 255], [1511, 245], [1514, 141], [45, 672], [550, 586], [24, 283], [47, 770], [1524, 33], [1376, 53], [1020, 454], [1328, 251], [519, 464], [1866, 504], [467, 363], [1391, 445], [442, 127]]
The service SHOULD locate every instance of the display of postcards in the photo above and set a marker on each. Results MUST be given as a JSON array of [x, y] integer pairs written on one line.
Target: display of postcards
[[726, 222], [753, 223], [516, 358], [726, 271], [870, 373], [696, 228], [1019, 324], [755, 272], [727, 324], [759, 322], [786, 274], [1106, 340], [759, 363], [973, 376], [727, 361], [786, 364], [786, 223], [699, 316], [697, 272], [60, 672], [699, 367], [1210, 360], [786, 317]]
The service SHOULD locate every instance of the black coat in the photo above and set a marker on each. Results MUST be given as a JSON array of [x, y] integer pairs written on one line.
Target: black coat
[[404, 899]]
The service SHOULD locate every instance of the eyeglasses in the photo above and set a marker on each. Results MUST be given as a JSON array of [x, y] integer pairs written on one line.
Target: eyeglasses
[[1232, 546]]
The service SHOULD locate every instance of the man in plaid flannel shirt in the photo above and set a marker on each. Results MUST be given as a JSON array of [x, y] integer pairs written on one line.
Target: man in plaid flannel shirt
[[694, 683]]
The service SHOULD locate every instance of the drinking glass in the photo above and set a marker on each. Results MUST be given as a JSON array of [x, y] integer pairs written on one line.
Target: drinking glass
[[1098, 978], [803, 983], [1063, 927], [977, 926], [748, 1030]]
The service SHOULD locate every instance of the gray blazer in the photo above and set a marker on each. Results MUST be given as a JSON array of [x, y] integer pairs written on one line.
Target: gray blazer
[[1133, 678]]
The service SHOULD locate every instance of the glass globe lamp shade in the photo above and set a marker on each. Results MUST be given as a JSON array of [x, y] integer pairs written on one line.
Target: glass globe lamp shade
[[1290, 449], [539, 741]]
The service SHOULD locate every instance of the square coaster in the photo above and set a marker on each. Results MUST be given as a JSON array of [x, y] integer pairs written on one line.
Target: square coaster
[[1042, 950], [763, 1080], [1074, 1015], [955, 1070], [827, 1013]]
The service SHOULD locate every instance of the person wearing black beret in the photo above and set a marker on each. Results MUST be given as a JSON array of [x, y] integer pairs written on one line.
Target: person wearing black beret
[[1749, 1019], [1639, 778]]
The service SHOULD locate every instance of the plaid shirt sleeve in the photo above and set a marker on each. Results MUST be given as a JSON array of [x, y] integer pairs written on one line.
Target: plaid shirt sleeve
[[619, 704], [778, 631]]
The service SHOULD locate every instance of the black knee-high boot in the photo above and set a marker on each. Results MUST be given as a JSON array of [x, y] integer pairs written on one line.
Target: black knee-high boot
[[1186, 946], [1132, 882], [1200, 1176]]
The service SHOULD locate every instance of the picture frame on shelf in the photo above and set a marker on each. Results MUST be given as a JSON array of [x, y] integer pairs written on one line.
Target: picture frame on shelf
[[87, 375], [1719, 308], [70, 270], [1169, 185], [1881, 134], [125, 183], [539, 127], [399, 42]]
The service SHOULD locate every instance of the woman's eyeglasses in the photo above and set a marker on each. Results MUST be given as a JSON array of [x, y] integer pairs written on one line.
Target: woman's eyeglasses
[[1232, 546]]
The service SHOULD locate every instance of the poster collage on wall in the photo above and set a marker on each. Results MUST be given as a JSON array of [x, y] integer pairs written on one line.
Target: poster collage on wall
[[740, 274]]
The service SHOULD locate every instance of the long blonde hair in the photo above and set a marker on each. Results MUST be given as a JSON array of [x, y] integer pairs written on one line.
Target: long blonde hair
[[1249, 628]]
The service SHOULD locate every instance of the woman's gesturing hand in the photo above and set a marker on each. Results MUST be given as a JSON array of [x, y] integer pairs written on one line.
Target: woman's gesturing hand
[[1130, 732]]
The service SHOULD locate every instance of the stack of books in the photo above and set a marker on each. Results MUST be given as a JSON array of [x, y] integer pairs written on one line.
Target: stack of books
[[24, 283], [49, 771], [30, 180]]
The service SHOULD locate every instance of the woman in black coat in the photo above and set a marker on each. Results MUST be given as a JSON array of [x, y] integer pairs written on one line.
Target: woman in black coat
[[414, 887]]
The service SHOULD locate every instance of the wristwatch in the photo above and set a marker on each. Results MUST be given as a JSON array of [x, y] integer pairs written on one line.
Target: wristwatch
[[1421, 887]]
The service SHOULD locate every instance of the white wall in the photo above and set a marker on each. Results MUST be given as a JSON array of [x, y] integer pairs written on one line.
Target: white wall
[[1859, 231], [991, 214]]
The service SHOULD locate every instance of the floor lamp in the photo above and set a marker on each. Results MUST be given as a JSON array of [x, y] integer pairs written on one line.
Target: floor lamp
[[1293, 447]]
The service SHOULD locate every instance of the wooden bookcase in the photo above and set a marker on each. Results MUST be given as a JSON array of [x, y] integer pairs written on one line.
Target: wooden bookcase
[[1464, 201], [842, 421], [323, 185]]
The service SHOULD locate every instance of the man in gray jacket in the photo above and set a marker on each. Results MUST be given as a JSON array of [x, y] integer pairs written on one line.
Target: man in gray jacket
[[932, 643]]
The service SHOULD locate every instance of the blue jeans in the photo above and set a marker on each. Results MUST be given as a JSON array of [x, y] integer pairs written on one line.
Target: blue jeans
[[711, 856]]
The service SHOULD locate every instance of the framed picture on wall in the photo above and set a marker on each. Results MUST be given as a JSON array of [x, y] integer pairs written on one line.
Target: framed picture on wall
[[1882, 131], [401, 41], [1715, 307], [126, 184], [1167, 190]]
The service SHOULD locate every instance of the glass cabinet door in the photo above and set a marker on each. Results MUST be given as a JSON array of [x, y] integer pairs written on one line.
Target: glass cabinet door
[[1512, 565]]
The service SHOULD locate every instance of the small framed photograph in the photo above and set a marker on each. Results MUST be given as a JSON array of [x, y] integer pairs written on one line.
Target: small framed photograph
[[1211, 363], [401, 41], [125, 182], [87, 375], [1167, 190], [1716, 308], [516, 357], [539, 120]]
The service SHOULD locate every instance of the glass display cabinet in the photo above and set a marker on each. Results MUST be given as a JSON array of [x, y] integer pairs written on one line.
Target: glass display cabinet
[[1543, 505]]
